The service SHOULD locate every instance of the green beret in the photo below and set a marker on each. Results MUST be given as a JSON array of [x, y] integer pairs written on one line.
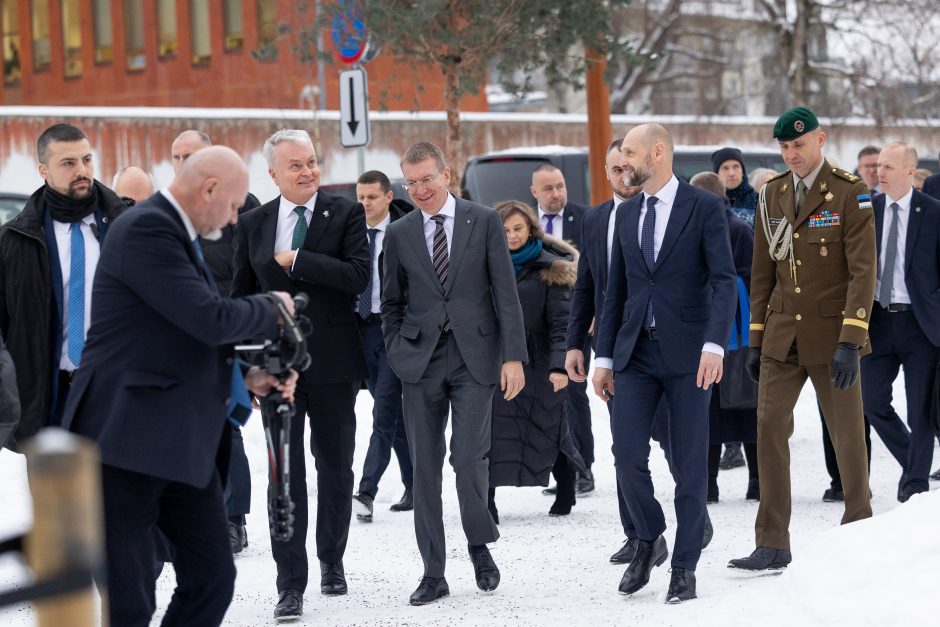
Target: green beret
[[795, 122]]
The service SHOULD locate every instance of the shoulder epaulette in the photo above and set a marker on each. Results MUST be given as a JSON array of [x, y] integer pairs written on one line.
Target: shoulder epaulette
[[776, 176], [848, 176]]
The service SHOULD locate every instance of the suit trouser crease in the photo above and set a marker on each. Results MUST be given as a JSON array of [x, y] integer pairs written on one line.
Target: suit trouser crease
[[331, 409], [579, 411], [778, 391], [448, 384]]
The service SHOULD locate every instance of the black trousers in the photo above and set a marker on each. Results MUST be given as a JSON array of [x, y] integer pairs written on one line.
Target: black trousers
[[579, 411], [331, 408], [238, 486], [193, 519]]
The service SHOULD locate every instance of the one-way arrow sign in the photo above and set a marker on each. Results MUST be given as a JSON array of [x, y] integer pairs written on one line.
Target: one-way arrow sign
[[354, 109]]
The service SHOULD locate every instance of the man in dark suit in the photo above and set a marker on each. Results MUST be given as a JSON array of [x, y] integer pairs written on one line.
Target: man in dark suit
[[453, 330], [307, 240], [154, 388], [563, 219], [374, 193], [664, 337], [587, 303], [905, 321]]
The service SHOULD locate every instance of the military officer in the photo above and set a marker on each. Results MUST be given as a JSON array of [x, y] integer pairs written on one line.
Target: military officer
[[812, 287]]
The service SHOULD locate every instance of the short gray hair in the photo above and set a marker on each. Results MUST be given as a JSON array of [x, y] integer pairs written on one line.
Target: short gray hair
[[119, 173], [292, 135], [423, 151]]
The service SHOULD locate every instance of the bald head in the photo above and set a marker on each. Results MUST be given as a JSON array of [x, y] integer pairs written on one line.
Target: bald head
[[896, 165], [185, 144], [647, 150], [132, 182], [211, 186]]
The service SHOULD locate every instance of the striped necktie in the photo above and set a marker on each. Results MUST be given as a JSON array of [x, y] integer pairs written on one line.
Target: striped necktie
[[75, 316], [439, 257]]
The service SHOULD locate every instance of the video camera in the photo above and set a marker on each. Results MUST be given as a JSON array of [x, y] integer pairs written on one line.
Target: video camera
[[278, 357]]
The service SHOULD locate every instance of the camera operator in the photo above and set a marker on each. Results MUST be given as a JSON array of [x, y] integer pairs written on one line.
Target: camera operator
[[157, 379]]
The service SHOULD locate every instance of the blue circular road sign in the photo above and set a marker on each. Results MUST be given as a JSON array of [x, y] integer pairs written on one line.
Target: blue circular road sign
[[349, 31]]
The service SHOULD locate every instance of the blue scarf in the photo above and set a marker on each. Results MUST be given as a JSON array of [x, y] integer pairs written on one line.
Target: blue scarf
[[526, 254]]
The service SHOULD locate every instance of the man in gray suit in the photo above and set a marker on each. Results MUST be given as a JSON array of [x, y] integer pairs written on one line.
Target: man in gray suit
[[453, 330]]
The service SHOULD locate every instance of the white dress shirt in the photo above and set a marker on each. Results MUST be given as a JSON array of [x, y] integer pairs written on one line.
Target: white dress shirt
[[557, 223], [450, 211], [611, 223], [899, 293], [63, 241], [376, 283], [665, 198], [287, 220]]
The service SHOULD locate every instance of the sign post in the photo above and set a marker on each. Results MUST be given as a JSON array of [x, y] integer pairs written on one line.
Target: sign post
[[354, 109]]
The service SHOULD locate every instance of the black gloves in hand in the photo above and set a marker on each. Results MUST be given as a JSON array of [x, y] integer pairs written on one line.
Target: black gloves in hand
[[844, 368], [752, 365]]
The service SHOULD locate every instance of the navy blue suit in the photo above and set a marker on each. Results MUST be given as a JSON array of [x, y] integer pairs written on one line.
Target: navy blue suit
[[152, 391], [932, 186], [692, 287], [909, 339]]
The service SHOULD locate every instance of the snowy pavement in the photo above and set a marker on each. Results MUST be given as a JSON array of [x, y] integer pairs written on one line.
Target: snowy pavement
[[555, 571]]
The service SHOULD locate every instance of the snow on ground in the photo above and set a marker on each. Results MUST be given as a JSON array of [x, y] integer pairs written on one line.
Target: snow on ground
[[556, 571]]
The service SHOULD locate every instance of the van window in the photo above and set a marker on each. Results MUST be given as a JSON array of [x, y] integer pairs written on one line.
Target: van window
[[493, 180]]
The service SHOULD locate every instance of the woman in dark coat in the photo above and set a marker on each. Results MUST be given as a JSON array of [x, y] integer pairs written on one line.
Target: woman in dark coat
[[530, 433], [732, 425]]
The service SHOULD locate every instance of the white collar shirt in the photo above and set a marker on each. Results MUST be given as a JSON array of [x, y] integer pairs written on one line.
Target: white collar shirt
[[899, 293], [63, 242], [449, 210]]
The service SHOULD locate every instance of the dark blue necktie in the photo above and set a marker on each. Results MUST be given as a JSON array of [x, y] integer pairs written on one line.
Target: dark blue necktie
[[549, 223], [239, 406], [75, 316], [649, 253], [364, 303]]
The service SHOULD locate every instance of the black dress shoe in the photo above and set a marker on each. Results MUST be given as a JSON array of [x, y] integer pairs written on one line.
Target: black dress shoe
[[238, 536], [935, 475], [565, 499], [429, 590], [648, 555], [905, 494], [709, 531], [626, 553], [763, 558], [484, 568], [362, 505], [753, 490], [333, 578], [406, 504], [585, 482], [681, 586], [552, 490], [733, 457], [833, 495], [290, 605]]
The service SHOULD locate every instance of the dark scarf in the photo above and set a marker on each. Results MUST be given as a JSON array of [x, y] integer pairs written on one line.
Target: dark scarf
[[743, 196], [527, 253], [66, 209]]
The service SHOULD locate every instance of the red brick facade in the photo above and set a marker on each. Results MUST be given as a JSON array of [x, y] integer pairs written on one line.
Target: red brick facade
[[228, 78]]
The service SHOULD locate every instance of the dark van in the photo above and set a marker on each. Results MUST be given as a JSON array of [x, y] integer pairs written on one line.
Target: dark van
[[507, 174]]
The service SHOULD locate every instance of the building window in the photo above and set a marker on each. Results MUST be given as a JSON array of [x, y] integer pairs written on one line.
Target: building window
[[168, 43], [71, 38], [267, 23], [232, 18], [102, 17], [200, 30], [12, 70], [39, 14], [134, 49]]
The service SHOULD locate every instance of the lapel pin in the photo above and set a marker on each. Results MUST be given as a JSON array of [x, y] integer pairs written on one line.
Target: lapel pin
[[785, 186], [822, 187], [468, 220], [829, 196], [917, 209], [326, 214], [570, 218]]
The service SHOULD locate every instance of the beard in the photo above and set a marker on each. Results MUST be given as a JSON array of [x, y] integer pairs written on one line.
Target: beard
[[636, 177], [78, 194]]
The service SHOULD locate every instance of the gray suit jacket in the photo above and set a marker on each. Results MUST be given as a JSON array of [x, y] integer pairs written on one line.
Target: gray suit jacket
[[480, 297]]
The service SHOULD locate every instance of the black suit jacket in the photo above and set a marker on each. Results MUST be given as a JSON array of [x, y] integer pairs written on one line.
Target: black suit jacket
[[932, 186], [587, 298], [923, 277], [572, 223], [156, 373], [693, 285], [332, 268]]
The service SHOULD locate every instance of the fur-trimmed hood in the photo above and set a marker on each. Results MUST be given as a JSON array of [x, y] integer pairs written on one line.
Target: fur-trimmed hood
[[559, 261]]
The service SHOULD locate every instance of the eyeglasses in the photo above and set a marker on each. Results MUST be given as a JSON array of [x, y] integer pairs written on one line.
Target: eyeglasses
[[411, 186]]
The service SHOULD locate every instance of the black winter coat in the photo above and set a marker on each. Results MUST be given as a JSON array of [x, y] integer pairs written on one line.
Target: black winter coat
[[529, 431], [220, 254], [26, 302]]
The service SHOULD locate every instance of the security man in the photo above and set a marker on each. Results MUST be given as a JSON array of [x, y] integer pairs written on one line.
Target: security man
[[812, 287]]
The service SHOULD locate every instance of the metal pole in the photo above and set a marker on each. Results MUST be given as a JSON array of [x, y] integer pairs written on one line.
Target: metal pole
[[361, 158]]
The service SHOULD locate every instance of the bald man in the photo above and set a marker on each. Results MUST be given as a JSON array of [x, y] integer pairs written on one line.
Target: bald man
[[664, 339], [133, 183], [158, 388]]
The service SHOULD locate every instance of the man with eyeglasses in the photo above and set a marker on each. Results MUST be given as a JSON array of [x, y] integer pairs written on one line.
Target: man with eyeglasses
[[868, 167], [309, 241], [453, 331]]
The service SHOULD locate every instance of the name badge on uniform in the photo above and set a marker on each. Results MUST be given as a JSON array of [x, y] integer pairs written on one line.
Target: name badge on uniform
[[825, 219], [775, 222]]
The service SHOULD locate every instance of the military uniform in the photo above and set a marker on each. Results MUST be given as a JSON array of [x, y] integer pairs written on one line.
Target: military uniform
[[802, 307]]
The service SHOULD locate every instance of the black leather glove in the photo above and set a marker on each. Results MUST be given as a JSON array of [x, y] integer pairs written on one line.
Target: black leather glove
[[752, 364], [844, 368]]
